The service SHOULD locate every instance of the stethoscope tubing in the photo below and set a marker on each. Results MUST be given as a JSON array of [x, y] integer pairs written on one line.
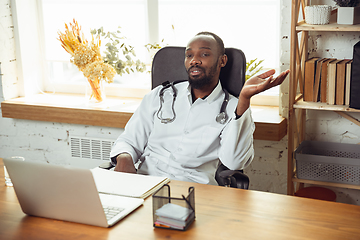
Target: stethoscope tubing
[[220, 118]]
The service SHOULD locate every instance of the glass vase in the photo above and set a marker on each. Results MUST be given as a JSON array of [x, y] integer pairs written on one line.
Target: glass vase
[[95, 92]]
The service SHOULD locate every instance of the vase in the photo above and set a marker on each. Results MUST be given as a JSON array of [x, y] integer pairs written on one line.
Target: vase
[[348, 15], [95, 92], [317, 14]]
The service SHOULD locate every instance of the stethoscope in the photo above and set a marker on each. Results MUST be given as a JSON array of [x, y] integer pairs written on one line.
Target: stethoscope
[[220, 118]]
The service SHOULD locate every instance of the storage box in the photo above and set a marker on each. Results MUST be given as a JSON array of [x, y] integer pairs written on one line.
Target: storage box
[[172, 212], [317, 14], [327, 161]]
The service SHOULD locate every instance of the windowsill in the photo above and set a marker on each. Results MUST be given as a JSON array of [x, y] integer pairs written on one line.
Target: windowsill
[[115, 112]]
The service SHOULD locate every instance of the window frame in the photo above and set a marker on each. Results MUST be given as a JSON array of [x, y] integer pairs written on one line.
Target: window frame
[[30, 53]]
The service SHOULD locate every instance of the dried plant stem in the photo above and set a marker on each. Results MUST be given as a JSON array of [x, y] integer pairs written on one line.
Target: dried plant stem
[[96, 91]]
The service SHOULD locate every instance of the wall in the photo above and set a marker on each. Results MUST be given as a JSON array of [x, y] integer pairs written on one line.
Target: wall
[[47, 141]]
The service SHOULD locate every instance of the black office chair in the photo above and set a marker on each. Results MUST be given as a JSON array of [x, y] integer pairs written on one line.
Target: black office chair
[[168, 65]]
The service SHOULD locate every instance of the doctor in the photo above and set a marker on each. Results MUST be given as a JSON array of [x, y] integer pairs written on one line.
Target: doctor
[[182, 138]]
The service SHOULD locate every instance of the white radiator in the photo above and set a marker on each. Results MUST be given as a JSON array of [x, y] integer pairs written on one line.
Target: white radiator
[[91, 148]]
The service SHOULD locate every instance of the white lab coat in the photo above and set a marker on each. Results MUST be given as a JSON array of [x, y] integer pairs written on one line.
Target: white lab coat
[[189, 148]]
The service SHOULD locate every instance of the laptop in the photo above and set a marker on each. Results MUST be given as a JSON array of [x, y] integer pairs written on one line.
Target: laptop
[[66, 193]]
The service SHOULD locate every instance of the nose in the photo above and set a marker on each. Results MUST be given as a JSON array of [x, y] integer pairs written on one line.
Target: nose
[[195, 61]]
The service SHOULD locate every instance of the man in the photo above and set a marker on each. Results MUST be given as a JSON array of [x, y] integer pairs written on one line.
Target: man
[[190, 146]]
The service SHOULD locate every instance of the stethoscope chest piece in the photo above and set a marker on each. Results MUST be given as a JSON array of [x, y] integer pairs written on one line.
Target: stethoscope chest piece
[[221, 118]]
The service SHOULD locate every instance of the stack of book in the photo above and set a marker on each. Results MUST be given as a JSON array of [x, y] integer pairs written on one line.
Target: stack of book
[[174, 216], [327, 80]]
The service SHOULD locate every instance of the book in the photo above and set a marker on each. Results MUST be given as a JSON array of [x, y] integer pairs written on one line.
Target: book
[[310, 69], [355, 78], [127, 184], [340, 82], [323, 79], [347, 82], [318, 68], [331, 82]]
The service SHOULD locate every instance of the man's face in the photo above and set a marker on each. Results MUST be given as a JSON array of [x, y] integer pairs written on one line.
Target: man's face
[[202, 61]]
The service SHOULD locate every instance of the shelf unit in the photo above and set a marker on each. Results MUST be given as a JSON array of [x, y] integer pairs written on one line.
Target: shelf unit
[[297, 107]]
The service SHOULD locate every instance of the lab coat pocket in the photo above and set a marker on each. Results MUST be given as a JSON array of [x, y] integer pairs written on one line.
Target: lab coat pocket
[[210, 140]]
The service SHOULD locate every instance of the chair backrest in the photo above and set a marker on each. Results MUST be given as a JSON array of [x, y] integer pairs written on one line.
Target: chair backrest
[[168, 65]]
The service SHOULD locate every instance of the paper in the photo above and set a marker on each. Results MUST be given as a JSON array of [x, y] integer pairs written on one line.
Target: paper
[[174, 216], [127, 184], [174, 211]]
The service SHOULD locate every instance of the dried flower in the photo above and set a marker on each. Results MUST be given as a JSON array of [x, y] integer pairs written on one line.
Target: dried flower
[[122, 63], [86, 56]]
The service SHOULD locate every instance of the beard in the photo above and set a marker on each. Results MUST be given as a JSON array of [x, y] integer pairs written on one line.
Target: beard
[[200, 82]]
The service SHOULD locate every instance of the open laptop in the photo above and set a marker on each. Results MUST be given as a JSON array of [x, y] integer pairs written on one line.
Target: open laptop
[[65, 193]]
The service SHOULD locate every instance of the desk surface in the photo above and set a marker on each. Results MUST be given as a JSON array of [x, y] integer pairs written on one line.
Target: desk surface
[[221, 213]]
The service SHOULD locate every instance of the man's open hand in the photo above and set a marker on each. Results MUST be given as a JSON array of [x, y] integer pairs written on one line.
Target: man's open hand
[[257, 85]]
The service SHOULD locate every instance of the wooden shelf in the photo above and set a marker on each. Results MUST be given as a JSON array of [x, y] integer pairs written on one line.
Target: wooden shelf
[[323, 106], [297, 119], [331, 27], [328, 184]]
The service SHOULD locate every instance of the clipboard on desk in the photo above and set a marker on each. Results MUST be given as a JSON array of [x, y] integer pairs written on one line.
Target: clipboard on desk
[[127, 184]]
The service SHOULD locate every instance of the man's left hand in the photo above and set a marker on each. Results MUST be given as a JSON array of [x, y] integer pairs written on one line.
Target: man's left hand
[[257, 85]]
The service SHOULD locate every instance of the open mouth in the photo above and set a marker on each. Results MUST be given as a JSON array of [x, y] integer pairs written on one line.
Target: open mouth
[[195, 71]]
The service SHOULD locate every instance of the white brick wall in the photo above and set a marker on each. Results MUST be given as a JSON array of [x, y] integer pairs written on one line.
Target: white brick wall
[[7, 52], [49, 142]]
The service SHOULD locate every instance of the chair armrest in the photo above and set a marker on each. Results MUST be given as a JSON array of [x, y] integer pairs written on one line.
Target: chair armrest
[[106, 165], [231, 178], [235, 179]]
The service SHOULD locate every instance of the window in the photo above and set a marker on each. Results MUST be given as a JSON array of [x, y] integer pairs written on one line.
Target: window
[[252, 26], [130, 15]]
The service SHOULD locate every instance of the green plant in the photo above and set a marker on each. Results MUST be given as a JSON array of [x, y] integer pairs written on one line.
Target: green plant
[[155, 46], [118, 54], [347, 3], [252, 68]]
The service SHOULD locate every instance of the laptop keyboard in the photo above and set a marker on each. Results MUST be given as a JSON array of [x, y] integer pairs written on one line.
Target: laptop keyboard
[[111, 212]]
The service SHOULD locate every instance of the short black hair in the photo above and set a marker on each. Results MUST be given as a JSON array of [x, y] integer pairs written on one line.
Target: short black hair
[[218, 40]]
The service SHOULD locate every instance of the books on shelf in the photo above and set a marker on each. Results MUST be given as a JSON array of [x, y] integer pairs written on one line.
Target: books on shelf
[[355, 78], [327, 80], [310, 70], [318, 68], [340, 82], [323, 79], [348, 82]]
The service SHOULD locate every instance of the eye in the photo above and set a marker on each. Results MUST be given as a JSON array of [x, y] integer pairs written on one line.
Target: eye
[[205, 54], [188, 55]]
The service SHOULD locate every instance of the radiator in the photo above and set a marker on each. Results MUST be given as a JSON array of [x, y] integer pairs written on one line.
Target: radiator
[[91, 148]]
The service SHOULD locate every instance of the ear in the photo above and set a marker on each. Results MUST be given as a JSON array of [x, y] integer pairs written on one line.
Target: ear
[[223, 60]]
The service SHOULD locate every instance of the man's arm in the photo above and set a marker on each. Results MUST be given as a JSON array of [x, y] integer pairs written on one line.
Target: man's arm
[[237, 149], [130, 145], [124, 163], [256, 85]]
